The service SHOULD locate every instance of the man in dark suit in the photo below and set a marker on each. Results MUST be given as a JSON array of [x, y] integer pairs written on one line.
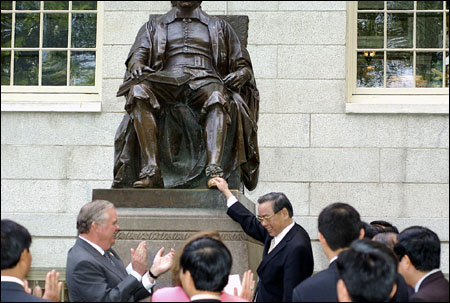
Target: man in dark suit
[[16, 263], [95, 272], [419, 251], [205, 265], [287, 257]]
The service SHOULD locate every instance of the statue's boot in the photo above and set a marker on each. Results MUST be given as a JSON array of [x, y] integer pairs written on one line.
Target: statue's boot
[[154, 181]]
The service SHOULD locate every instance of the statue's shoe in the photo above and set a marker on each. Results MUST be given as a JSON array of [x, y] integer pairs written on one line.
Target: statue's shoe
[[154, 181]]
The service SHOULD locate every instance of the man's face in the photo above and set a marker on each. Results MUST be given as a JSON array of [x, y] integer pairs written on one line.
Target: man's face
[[108, 229], [187, 4], [276, 223]]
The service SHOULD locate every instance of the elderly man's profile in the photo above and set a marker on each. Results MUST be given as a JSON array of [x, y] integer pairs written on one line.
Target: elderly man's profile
[[191, 104]]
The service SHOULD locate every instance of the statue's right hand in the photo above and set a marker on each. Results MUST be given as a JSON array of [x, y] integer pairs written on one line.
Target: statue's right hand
[[137, 70]]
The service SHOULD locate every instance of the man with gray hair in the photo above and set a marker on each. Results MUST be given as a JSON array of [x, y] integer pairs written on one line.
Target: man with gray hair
[[94, 271]]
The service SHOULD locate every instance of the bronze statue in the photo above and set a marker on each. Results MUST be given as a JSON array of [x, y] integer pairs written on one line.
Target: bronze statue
[[191, 101]]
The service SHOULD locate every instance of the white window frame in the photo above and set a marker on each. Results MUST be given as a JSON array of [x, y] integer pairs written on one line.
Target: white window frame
[[391, 100], [59, 98]]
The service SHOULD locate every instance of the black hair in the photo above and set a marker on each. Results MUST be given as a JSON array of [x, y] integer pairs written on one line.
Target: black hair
[[209, 261], [15, 239], [388, 227], [371, 230], [280, 201], [422, 246], [340, 224], [368, 270]]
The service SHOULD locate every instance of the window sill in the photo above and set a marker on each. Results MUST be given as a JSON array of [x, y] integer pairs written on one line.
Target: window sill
[[29, 102], [398, 104]]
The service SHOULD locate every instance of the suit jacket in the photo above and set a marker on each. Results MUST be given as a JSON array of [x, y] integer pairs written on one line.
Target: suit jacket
[[13, 292], [91, 278], [433, 289], [321, 287], [289, 263]]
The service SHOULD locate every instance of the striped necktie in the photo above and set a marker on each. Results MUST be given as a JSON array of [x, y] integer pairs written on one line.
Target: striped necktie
[[272, 245]]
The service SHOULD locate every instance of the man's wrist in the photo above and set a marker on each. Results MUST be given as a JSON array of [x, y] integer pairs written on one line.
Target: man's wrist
[[154, 276]]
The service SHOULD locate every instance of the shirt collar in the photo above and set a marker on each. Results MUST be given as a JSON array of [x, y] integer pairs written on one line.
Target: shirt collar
[[205, 297], [98, 248], [416, 289], [12, 279], [196, 14], [283, 233], [333, 259]]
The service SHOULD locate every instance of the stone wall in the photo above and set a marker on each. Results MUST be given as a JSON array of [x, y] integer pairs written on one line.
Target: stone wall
[[393, 167]]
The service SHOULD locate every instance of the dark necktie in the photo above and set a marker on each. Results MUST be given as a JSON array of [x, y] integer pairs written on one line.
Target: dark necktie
[[108, 257]]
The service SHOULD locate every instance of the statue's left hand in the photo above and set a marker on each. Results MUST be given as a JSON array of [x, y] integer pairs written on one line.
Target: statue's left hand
[[237, 79]]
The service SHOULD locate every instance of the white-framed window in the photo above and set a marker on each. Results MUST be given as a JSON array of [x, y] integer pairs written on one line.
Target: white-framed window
[[51, 55], [398, 56]]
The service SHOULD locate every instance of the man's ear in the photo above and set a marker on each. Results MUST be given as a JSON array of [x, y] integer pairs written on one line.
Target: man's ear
[[362, 233], [342, 292], [187, 282], [393, 291]]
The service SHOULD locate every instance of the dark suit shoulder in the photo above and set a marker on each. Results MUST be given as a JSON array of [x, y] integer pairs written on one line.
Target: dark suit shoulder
[[435, 288], [320, 287], [13, 292]]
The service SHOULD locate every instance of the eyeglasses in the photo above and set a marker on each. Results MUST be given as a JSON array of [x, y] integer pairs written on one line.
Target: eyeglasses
[[265, 218]]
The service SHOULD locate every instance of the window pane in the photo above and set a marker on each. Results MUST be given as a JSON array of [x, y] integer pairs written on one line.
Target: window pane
[[370, 69], [446, 71], [82, 68], [6, 4], [55, 30], [370, 5], [27, 30], [399, 71], [400, 30], [6, 30], [84, 5], [429, 30], [429, 69], [429, 5], [400, 5], [28, 5], [84, 30], [54, 68], [6, 66], [370, 30], [446, 34], [26, 68], [56, 5]]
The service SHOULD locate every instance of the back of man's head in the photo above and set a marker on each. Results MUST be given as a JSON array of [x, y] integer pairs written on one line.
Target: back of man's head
[[340, 224], [388, 238], [421, 245], [14, 240], [368, 270], [209, 263], [94, 211], [388, 227], [371, 231], [280, 201]]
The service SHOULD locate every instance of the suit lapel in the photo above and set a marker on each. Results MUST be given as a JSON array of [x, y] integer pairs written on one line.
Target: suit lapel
[[267, 258], [118, 270]]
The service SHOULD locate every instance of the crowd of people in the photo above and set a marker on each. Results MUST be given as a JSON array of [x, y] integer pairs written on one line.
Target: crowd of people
[[371, 262]]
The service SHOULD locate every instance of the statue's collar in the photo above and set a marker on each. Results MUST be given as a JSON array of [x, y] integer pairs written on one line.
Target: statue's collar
[[196, 14]]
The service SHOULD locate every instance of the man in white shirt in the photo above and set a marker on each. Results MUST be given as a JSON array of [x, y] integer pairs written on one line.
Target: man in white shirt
[[287, 257], [95, 272], [419, 251], [16, 263]]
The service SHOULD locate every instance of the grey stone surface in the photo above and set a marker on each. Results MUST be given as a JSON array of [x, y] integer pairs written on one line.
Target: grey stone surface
[[414, 165], [379, 131], [319, 165], [127, 25], [252, 6], [384, 199], [114, 57], [91, 163], [297, 193], [61, 129], [111, 103], [296, 28], [301, 96], [316, 62], [278, 130], [313, 5], [46, 224], [50, 252], [264, 60], [137, 6]]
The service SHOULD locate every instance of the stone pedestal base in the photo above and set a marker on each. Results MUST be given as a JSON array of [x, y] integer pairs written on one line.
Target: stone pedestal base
[[166, 218]]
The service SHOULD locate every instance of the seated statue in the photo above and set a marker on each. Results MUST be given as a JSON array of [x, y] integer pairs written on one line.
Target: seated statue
[[191, 104]]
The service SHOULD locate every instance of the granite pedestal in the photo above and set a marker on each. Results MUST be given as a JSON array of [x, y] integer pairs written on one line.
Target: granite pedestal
[[167, 217]]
